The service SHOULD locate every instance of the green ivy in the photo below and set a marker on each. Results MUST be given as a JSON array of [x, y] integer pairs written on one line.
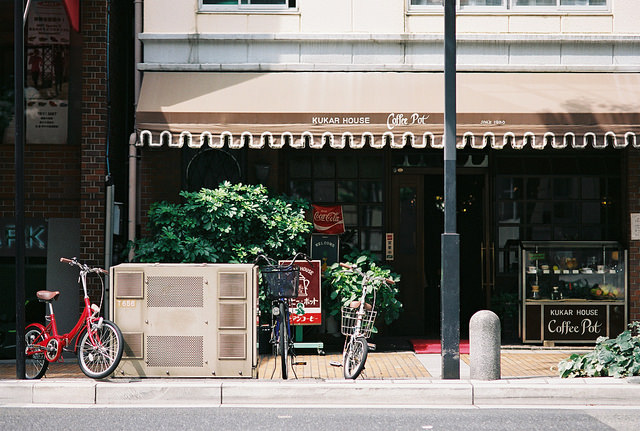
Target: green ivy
[[617, 357], [343, 286], [233, 223]]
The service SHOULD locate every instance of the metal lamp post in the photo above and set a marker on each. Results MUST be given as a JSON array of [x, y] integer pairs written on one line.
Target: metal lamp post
[[450, 255]]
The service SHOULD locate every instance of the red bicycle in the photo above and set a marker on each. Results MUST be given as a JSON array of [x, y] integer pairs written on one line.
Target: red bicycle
[[98, 342]]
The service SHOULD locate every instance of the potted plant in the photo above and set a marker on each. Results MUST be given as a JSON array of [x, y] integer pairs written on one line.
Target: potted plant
[[342, 287]]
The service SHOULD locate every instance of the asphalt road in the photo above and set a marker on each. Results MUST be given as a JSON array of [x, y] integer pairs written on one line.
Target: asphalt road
[[315, 419]]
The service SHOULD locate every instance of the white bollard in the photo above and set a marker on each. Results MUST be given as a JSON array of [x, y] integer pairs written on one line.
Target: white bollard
[[484, 346]]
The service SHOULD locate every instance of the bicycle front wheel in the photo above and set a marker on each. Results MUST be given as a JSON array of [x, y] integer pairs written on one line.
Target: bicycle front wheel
[[35, 362], [283, 340], [354, 357], [100, 358]]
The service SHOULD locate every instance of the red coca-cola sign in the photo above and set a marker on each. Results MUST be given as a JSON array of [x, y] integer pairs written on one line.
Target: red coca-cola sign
[[328, 220]]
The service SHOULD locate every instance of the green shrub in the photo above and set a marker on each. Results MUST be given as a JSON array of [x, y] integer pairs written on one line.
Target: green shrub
[[343, 286], [617, 357], [233, 223]]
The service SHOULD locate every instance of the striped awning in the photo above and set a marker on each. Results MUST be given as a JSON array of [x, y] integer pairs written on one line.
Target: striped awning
[[387, 109]]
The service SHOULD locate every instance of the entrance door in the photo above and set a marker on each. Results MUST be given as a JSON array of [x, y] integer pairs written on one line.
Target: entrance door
[[418, 222]]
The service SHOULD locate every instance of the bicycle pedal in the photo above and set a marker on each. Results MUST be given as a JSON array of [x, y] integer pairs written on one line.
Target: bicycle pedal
[[371, 346], [299, 363], [335, 363]]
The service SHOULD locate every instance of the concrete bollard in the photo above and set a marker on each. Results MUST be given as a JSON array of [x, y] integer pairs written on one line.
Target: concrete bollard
[[484, 346]]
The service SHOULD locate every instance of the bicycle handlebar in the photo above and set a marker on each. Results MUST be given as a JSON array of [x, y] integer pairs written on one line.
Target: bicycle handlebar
[[82, 266], [356, 269]]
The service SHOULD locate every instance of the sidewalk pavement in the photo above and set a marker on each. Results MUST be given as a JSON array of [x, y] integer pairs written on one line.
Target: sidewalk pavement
[[397, 378]]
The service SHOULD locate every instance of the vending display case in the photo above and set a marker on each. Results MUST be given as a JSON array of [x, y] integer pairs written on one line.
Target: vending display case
[[572, 292]]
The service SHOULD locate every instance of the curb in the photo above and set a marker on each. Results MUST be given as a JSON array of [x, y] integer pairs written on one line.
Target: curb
[[544, 391]]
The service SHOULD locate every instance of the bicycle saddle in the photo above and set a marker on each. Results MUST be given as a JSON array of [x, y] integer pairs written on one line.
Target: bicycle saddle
[[356, 304], [46, 295]]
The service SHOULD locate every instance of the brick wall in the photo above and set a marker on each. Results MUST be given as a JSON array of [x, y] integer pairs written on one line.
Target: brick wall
[[94, 130], [634, 246], [51, 178], [160, 179]]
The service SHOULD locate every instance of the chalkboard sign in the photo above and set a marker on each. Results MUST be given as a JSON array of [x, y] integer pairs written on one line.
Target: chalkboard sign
[[325, 248]]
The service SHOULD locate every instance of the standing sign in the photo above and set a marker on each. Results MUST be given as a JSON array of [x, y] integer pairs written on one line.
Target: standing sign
[[326, 248], [574, 322], [306, 308]]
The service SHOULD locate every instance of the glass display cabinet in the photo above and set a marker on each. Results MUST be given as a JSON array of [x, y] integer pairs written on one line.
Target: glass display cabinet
[[572, 292]]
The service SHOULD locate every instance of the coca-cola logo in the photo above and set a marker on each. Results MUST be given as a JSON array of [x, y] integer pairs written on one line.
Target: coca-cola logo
[[328, 220], [331, 217]]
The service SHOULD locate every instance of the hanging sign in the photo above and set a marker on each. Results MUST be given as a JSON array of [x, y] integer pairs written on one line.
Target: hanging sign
[[305, 309], [328, 219]]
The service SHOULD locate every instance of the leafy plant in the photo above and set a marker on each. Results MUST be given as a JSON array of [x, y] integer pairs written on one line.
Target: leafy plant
[[343, 286], [233, 223], [617, 357]]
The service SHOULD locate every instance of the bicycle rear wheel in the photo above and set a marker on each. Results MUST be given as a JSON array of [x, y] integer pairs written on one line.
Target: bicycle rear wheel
[[35, 362], [100, 359], [354, 357], [283, 340]]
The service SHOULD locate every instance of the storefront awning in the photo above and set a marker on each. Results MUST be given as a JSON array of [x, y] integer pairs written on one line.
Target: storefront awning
[[396, 109]]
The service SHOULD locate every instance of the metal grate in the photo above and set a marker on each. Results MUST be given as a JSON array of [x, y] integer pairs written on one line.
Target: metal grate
[[133, 347], [129, 285], [232, 346], [232, 316], [174, 351], [232, 285], [175, 291]]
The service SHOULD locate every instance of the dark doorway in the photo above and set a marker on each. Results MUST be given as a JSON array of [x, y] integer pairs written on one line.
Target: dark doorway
[[418, 214]]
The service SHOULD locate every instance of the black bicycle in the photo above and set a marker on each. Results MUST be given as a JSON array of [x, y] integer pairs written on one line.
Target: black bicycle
[[281, 283]]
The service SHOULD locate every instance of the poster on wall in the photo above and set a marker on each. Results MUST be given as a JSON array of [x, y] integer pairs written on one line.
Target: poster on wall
[[46, 74], [328, 219]]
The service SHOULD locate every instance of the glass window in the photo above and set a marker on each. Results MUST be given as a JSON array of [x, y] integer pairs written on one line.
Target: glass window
[[371, 216], [347, 191], [324, 191], [466, 3], [352, 179], [371, 191], [507, 5], [324, 167], [535, 2], [251, 3]]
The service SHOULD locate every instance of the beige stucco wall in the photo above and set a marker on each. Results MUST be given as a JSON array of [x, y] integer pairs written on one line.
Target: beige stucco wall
[[380, 17]]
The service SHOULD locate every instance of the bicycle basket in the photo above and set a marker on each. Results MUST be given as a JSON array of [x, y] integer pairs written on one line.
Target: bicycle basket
[[281, 280], [350, 320]]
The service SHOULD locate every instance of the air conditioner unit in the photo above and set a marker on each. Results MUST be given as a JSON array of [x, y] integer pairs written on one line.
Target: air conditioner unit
[[186, 320]]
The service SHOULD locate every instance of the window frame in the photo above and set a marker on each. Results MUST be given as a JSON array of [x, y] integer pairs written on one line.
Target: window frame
[[509, 6], [239, 7]]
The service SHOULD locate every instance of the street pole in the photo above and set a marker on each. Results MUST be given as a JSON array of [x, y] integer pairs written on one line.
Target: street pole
[[18, 52], [450, 252]]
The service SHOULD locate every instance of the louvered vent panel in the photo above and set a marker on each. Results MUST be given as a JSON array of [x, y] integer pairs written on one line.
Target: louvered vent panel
[[232, 285], [232, 316], [129, 284], [175, 291], [133, 347], [232, 346], [174, 351]]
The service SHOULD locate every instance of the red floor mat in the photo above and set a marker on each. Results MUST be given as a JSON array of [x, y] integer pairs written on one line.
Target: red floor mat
[[433, 346]]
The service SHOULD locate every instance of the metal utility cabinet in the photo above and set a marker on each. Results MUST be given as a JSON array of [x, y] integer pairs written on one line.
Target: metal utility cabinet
[[573, 292], [186, 320]]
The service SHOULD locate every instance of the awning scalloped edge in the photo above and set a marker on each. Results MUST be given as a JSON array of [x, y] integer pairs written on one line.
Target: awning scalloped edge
[[387, 139]]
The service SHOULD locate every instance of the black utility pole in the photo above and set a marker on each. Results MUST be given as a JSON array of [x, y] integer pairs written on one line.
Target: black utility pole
[[450, 283], [18, 67]]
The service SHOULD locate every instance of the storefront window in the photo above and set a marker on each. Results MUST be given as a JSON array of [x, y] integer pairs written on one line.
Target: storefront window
[[355, 182], [561, 198]]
